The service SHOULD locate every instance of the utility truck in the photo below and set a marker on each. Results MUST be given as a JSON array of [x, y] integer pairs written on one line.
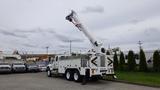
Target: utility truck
[[95, 64]]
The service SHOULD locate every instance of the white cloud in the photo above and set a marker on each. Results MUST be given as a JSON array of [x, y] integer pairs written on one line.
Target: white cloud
[[96, 9]]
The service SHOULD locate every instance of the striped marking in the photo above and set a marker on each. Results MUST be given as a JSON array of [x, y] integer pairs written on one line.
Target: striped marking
[[93, 61]]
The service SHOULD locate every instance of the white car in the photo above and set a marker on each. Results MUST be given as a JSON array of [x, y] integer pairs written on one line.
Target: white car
[[18, 67], [5, 67], [42, 67], [32, 67]]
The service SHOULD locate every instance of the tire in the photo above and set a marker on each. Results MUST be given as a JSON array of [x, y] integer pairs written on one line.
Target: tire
[[69, 75], [76, 76], [49, 74]]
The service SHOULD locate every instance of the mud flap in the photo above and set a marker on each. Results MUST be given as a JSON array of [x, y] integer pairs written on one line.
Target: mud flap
[[86, 77]]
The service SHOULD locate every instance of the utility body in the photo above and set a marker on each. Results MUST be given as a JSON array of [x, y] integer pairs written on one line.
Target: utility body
[[95, 64]]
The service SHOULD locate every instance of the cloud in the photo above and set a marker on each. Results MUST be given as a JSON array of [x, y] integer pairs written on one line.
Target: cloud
[[64, 38], [136, 21], [115, 22], [29, 45], [35, 30], [75, 47], [10, 33], [96, 9], [147, 35]]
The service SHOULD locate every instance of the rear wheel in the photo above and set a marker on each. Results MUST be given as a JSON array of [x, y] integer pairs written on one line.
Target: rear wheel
[[69, 75], [77, 76]]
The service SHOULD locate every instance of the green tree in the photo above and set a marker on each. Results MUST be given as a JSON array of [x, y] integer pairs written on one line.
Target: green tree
[[142, 63], [156, 61], [122, 62], [131, 61], [115, 63]]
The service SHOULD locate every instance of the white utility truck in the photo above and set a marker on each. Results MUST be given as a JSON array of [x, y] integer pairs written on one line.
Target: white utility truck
[[95, 64]]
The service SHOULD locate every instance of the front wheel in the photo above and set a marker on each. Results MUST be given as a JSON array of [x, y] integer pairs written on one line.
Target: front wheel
[[49, 74], [77, 76]]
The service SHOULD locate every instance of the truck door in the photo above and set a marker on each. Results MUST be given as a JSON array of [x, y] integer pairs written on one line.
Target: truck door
[[55, 63]]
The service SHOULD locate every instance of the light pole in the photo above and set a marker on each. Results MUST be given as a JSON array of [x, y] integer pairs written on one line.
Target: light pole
[[47, 49], [70, 46]]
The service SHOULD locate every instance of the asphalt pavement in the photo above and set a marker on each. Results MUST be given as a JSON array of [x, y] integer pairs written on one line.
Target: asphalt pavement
[[40, 81]]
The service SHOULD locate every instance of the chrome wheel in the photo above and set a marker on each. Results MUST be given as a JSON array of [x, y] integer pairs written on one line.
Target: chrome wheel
[[68, 75], [76, 76], [49, 73]]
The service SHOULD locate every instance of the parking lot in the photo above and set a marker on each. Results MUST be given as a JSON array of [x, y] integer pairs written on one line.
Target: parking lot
[[39, 81]]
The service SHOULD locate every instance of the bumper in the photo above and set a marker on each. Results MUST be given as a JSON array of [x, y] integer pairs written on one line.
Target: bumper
[[19, 69], [43, 69], [94, 72], [33, 69], [5, 70]]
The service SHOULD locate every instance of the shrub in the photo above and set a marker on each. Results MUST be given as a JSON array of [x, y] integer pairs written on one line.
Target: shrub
[[142, 64], [131, 61], [122, 62], [115, 63], [156, 61]]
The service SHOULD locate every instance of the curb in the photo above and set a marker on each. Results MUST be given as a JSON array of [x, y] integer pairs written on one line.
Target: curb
[[140, 84]]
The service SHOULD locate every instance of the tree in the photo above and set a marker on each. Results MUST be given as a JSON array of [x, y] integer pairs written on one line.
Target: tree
[[122, 62], [156, 61], [115, 63], [142, 63], [131, 61]]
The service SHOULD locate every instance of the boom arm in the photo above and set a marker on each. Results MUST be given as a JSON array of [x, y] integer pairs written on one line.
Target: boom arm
[[72, 17]]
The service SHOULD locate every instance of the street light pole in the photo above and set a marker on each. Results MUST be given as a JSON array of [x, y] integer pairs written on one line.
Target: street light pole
[[47, 49], [70, 42]]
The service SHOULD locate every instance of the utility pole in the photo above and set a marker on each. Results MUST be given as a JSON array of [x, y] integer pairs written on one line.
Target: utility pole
[[47, 49], [140, 44], [70, 46]]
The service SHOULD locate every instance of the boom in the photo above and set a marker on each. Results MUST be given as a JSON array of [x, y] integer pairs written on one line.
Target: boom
[[72, 17]]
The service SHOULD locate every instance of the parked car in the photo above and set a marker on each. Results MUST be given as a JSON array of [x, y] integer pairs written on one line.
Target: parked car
[[42, 66], [5, 67], [32, 67], [19, 67]]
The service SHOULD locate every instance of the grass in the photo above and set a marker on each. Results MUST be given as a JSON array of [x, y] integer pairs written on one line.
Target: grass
[[147, 78]]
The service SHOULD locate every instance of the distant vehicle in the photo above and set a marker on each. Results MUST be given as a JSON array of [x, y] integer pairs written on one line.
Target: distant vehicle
[[18, 67], [42, 66], [32, 67], [5, 67]]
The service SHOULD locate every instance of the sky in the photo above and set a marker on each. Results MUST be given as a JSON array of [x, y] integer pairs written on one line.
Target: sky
[[32, 25]]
